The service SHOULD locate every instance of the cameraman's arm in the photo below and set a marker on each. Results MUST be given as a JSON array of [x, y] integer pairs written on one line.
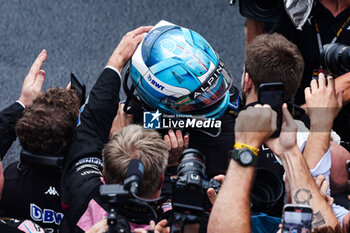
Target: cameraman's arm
[[323, 105], [343, 83], [303, 188], [231, 210]]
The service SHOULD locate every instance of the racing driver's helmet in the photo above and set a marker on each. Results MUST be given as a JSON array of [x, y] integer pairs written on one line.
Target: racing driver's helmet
[[175, 70]]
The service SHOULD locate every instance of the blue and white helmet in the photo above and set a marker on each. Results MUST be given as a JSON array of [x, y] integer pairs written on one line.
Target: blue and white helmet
[[175, 70]]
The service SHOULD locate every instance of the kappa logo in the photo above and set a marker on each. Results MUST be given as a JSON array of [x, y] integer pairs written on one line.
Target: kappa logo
[[154, 83], [52, 191]]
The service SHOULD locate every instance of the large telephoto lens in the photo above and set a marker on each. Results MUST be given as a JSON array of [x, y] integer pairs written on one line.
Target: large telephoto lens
[[336, 58], [191, 162], [266, 5], [267, 190]]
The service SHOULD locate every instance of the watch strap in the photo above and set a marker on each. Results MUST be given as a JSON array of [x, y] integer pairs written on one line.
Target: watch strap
[[238, 145], [236, 155]]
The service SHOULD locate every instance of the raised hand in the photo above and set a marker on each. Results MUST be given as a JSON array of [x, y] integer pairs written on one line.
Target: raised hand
[[127, 47], [177, 143], [34, 81], [121, 120], [322, 102]]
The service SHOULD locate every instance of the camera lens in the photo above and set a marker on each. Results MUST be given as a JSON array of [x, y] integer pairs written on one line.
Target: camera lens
[[336, 58], [266, 5], [267, 190], [191, 162]]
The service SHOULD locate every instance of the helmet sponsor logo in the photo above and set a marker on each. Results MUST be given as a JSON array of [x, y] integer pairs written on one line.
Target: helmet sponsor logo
[[209, 82], [154, 83]]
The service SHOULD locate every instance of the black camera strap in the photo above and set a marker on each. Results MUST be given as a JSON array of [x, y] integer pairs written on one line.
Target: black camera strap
[[320, 45], [136, 213], [341, 29]]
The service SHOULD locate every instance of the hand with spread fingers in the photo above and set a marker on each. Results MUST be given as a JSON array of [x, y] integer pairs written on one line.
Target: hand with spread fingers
[[323, 105], [177, 143], [322, 102], [121, 120], [34, 81], [127, 47]]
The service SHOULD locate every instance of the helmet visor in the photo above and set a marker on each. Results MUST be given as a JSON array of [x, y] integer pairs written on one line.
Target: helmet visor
[[211, 91]]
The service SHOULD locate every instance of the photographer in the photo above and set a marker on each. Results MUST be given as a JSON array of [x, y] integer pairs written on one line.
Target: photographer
[[84, 167], [327, 23]]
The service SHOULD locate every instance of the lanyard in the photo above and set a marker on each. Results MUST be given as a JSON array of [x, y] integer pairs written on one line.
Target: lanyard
[[336, 36]]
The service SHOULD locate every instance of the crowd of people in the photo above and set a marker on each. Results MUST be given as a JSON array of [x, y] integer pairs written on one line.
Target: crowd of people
[[72, 155]]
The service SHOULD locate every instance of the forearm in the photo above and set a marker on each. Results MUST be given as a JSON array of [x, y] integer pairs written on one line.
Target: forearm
[[231, 211], [96, 118], [343, 83], [317, 143], [304, 190], [253, 29]]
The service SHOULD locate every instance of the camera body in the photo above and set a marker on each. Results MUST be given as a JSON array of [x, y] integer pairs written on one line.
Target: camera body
[[115, 196], [190, 186], [190, 196], [123, 203]]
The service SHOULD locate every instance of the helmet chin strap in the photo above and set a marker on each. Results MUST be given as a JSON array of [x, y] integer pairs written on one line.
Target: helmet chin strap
[[132, 104]]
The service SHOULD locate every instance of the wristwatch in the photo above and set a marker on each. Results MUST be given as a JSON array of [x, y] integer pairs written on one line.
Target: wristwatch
[[244, 157]]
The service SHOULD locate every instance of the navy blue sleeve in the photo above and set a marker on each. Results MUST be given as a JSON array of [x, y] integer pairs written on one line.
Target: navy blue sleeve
[[8, 119], [95, 119], [82, 174]]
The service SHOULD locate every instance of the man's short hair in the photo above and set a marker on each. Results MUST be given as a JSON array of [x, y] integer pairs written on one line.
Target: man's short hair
[[47, 125], [272, 58], [135, 142]]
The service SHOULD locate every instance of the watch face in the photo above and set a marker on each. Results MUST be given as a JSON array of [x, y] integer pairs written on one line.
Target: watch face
[[245, 157]]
